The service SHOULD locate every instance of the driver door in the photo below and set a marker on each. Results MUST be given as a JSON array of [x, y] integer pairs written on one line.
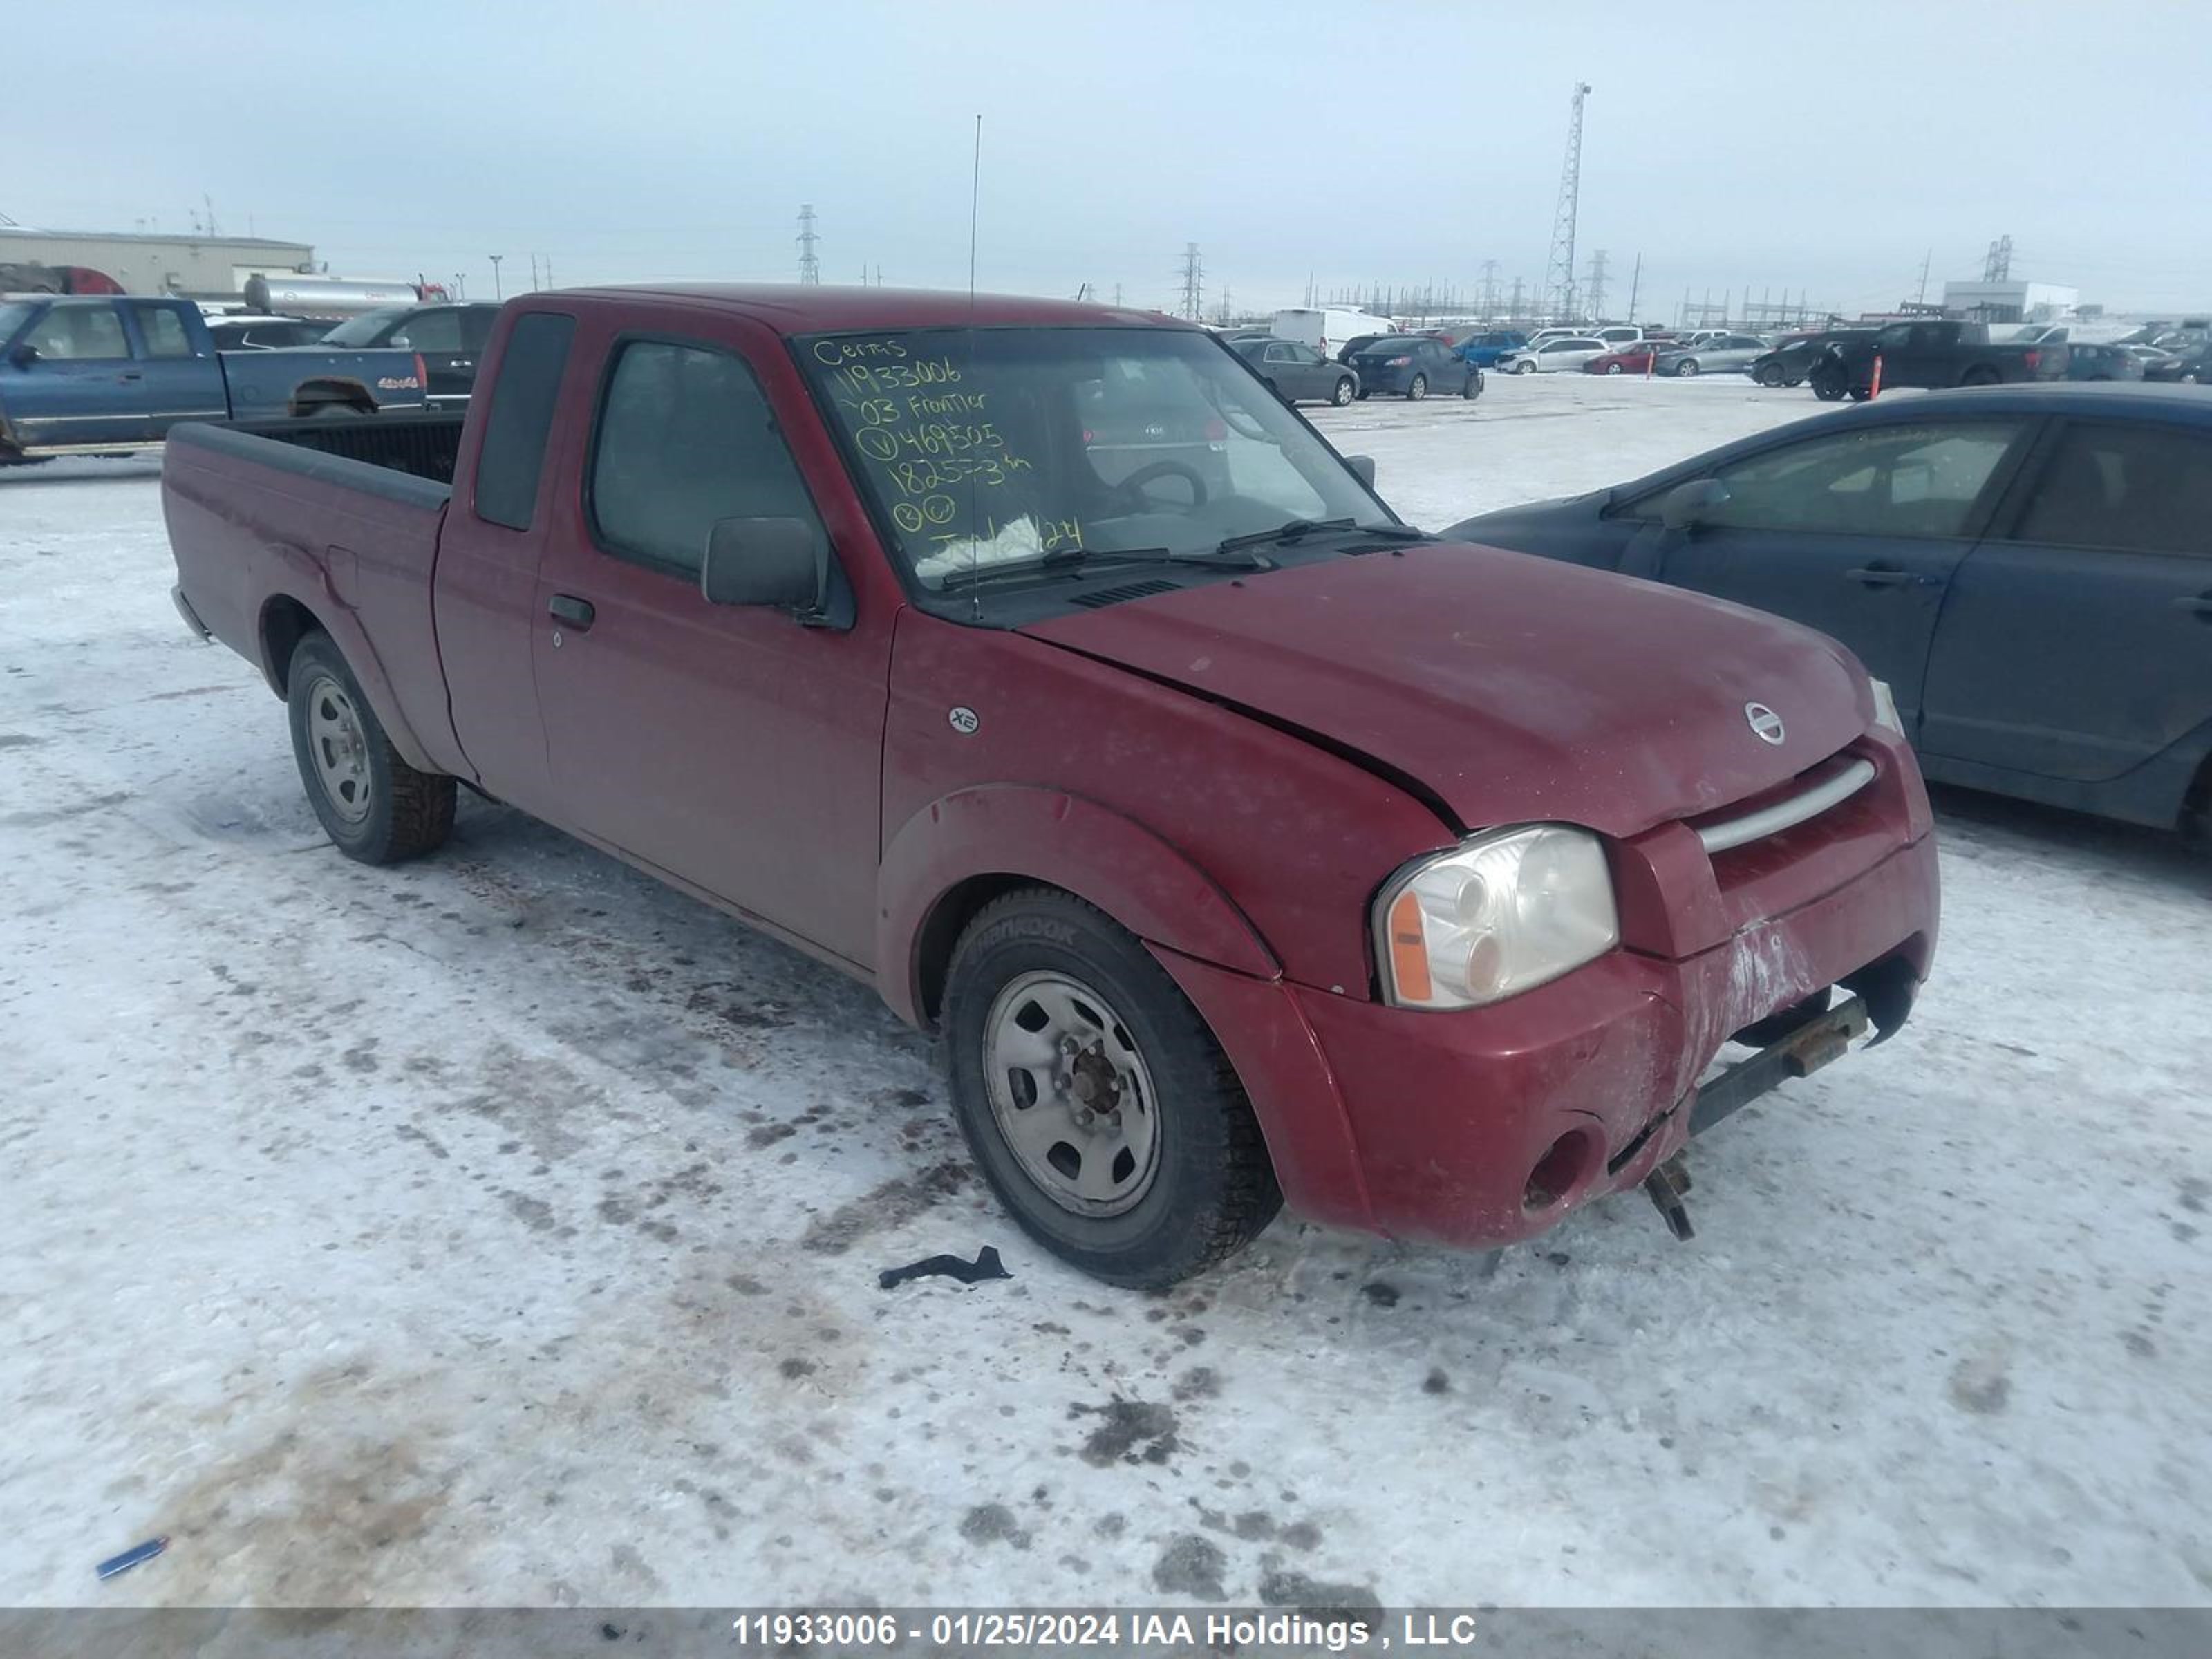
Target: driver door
[[732, 747], [1856, 533], [71, 380]]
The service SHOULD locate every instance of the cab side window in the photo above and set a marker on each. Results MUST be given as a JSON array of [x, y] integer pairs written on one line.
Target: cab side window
[[164, 331], [73, 333], [433, 330], [685, 438]]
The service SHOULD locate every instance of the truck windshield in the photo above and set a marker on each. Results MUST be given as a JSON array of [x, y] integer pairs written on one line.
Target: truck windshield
[[1015, 447]]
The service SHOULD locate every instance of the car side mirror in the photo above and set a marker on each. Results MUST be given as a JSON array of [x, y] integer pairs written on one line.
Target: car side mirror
[[1687, 504], [782, 563], [1363, 468], [24, 356]]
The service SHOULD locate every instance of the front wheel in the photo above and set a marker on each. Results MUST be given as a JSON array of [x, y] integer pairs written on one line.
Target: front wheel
[[1524, 367], [1686, 367], [1417, 388], [1341, 394], [1613, 368], [372, 805], [1768, 375], [1473, 388], [1094, 1098]]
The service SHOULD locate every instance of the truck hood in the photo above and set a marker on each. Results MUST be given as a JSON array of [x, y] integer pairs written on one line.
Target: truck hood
[[1506, 689]]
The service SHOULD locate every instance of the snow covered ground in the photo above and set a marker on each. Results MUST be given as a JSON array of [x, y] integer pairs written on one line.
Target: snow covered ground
[[504, 1229]]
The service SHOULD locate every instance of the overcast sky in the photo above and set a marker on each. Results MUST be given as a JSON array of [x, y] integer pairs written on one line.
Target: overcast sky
[[1779, 146]]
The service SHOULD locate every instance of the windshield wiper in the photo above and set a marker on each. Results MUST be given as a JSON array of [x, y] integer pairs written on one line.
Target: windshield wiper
[[1298, 530], [1071, 559]]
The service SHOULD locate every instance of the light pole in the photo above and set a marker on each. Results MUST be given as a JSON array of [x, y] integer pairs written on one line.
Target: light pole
[[495, 258]]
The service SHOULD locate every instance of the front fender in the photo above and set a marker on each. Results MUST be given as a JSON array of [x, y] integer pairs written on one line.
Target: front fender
[[1058, 840]]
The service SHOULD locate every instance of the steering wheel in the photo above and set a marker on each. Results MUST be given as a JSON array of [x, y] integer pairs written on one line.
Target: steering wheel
[[1134, 485]]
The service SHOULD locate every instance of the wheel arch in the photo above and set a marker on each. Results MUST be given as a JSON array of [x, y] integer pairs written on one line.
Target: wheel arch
[[311, 395], [286, 619], [960, 853]]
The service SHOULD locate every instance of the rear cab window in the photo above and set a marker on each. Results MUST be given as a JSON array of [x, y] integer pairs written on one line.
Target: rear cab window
[[523, 400]]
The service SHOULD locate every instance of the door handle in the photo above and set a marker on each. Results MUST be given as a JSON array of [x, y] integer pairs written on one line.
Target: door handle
[[570, 611], [2200, 603], [464, 363], [130, 375], [1883, 575]]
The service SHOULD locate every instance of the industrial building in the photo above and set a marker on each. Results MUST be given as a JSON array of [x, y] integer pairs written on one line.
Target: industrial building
[[2009, 301], [197, 267]]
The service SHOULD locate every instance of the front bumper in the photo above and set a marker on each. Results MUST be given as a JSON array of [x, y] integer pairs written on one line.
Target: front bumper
[[1487, 1126]]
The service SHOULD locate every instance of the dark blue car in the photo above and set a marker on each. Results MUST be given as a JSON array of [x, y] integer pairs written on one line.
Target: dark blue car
[[2029, 568]]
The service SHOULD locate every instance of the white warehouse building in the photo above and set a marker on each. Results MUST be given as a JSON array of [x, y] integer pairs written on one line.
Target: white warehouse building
[[2010, 302], [204, 267]]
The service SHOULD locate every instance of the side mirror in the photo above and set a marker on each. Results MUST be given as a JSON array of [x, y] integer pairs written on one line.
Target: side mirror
[[779, 562], [1363, 468], [24, 356], [1685, 504]]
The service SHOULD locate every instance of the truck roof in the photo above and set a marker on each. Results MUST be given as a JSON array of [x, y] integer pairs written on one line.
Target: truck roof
[[810, 309]]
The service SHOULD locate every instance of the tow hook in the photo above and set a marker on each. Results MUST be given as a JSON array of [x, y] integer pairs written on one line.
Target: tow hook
[[1668, 1185]]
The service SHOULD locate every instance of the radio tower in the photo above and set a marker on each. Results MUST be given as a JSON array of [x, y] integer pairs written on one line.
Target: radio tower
[[810, 267], [1194, 282], [1559, 276]]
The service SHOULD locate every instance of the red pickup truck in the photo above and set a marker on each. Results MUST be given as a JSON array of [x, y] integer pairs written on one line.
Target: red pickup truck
[[1034, 663]]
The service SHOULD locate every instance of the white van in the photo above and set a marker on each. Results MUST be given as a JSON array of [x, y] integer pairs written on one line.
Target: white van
[[1328, 329]]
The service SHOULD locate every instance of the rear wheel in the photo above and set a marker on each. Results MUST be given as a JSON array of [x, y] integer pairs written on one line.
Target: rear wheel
[[372, 805], [1982, 375], [1417, 388], [1094, 1098], [1341, 393]]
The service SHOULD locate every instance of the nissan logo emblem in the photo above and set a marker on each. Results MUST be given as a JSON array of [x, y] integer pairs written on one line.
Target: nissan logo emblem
[[1765, 724]]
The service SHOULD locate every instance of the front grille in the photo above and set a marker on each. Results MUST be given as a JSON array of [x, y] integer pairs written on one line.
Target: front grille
[[1804, 798]]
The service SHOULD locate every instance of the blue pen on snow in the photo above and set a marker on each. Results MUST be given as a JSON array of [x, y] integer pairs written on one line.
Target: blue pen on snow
[[131, 1558]]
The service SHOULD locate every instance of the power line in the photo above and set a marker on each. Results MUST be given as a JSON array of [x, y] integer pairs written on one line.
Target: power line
[[1559, 276]]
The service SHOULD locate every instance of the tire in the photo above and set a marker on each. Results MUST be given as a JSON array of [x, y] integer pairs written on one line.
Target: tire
[[1686, 370], [1471, 388], [372, 805], [335, 411], [1768, 375], [1828, 386], [1198, 1190], [1341, 393], [1417, 388], [1613, 368], [1861, 393], [1524, 367], [1982, 376]]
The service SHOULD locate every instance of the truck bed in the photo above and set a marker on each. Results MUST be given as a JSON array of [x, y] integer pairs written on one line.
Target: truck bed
[[283, 526]]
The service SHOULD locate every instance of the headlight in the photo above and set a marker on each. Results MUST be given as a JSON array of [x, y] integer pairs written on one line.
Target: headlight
[[1885, 707], [1501, 914]]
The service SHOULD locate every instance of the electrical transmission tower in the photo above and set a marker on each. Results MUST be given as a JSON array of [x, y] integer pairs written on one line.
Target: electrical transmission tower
[[1597, 285], [1194, 282], [1559, 276], [810, 267], [1997, 268], [1489, 289]]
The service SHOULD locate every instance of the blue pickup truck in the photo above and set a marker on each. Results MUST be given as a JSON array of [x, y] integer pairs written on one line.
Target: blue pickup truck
[[98, 373]]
